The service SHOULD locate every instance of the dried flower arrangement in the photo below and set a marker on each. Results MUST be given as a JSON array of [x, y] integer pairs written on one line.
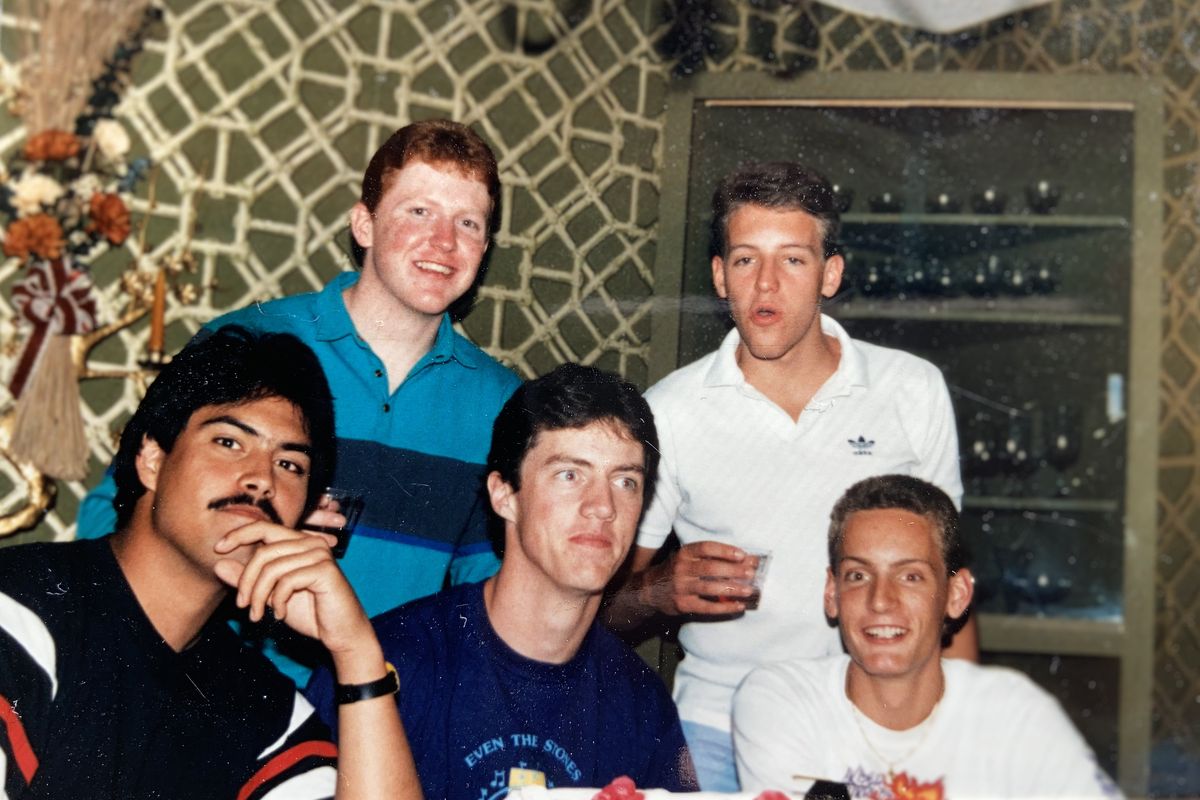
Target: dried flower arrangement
[[63, 199]]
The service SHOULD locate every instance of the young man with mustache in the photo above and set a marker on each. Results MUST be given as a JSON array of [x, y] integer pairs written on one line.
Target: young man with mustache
[[119, 677]]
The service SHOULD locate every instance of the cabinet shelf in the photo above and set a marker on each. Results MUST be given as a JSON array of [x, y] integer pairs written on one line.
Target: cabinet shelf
[[1015, 633], [1050, 311], [965, 235], [978, 221], [1068, 505]]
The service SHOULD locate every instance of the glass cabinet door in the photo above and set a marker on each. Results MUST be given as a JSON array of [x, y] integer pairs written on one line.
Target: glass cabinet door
[[1009, 231]]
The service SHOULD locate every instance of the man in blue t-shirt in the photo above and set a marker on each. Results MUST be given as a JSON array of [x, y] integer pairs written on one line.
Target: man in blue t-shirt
[[414, 400], [512, 681]]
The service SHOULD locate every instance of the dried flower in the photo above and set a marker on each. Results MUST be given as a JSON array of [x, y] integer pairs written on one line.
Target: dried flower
[[109, 217], [33, 191], [74, 169], [87, 185], [185, 293], [71, 211], [179, 263], [111, 139], [138, 285], [52, 145], [37, 235]]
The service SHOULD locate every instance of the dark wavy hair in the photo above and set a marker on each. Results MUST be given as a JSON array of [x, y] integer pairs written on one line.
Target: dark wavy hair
[[230, 365], [781, 185], [570, 396]]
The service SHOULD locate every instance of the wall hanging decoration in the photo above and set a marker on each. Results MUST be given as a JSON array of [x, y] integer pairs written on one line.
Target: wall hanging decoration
[[63, 201]]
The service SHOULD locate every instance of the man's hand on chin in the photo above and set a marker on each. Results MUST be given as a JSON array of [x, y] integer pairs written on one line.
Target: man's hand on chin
[[295, 575]]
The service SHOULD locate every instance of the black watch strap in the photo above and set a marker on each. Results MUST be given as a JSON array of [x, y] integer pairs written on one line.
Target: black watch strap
[[353, 692]]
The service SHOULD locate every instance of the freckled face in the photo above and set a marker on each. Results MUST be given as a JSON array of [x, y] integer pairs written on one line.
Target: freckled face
[[774, 276], [426, 238], [572, 522], [890, 593]]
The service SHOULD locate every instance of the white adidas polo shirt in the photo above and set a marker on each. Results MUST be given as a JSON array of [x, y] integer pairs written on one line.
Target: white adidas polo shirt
[[737, 469]]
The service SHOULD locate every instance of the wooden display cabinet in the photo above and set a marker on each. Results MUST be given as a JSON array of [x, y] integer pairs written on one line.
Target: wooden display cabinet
[[1007, 228]]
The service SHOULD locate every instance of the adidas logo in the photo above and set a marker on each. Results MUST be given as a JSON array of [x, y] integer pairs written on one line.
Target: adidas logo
[[861, 446]]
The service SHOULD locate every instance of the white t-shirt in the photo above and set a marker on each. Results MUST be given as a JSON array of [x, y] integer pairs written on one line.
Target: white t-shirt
[[737, 469], [994, 734]]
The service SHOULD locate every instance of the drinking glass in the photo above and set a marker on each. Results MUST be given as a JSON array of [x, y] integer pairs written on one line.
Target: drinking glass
[[763, 560], [347, 502]]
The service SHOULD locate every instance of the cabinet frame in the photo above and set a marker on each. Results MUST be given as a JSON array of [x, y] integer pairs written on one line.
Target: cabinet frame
[[1131, 639]]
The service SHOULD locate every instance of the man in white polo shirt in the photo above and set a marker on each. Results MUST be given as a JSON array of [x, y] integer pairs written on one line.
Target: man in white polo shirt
[[759, 439]]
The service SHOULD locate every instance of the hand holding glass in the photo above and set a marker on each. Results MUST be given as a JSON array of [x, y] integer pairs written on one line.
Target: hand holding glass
[[335, 504], [761, 560]]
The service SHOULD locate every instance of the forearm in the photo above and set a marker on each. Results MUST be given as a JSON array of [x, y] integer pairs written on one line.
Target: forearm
[[700, 578], [374, 759], [293, 574], [629, 606]]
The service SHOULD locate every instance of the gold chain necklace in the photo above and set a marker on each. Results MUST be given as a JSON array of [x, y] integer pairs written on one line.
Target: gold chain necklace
[[926, 724]]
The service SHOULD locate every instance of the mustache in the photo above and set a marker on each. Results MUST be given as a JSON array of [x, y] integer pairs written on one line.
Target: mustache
[[263, 504]]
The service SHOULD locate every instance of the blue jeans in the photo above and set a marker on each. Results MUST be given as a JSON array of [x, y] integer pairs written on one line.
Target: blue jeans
[[712, 752]]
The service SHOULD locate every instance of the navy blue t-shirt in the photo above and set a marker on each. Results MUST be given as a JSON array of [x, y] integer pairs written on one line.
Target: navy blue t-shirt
[[475, 710]]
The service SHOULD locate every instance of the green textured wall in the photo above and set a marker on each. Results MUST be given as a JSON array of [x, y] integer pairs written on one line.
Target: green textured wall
[[262, 115]]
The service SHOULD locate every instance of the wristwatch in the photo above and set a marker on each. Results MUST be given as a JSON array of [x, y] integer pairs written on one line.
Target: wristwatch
[[345, 693]]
